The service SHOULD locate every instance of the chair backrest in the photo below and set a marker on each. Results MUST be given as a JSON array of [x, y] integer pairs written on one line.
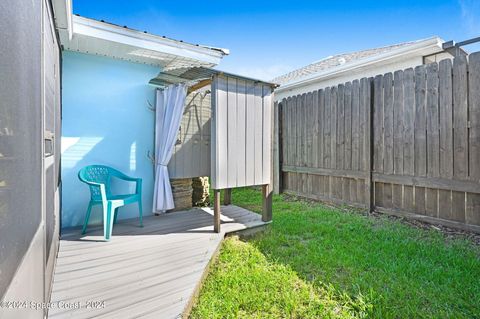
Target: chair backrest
[[97, 174]]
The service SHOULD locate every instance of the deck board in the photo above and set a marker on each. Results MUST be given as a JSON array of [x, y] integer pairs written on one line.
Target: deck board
[[149, 272]]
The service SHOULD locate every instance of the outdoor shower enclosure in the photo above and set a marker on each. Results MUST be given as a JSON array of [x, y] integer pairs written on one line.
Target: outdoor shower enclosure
[[225, 133]]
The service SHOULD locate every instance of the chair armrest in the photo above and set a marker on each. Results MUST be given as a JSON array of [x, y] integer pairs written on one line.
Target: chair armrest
[[138, 181], [138, 187], [126, 177]]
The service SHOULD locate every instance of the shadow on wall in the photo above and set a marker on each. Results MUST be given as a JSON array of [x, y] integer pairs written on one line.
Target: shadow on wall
[[105, 121]]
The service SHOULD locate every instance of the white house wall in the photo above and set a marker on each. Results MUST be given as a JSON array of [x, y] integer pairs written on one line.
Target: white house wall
[[366, 71]]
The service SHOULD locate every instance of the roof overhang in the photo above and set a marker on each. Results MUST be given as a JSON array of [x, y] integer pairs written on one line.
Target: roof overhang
[[105, 39], [422, 48], [196, 74]]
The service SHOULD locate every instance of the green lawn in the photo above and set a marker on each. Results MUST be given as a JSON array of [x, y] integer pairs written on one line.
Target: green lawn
[[316, 261]]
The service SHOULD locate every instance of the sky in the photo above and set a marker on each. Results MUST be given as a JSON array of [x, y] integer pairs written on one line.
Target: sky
[[270, 38]]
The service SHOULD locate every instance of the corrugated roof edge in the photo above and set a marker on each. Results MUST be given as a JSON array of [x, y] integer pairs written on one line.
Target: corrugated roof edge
[[150, 36], [203, 73]]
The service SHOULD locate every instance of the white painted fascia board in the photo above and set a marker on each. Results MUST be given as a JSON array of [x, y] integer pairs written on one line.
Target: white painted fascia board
[[96, 29], [63, 16], [422, 48]]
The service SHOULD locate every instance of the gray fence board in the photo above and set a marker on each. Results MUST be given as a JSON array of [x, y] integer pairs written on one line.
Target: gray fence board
[[473, 200], [426, 142]]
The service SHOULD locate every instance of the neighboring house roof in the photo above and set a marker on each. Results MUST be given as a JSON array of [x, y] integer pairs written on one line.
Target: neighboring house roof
[[346, 61], [106, 39]]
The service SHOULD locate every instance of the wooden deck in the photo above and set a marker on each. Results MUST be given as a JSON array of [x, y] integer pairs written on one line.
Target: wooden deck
[[149, 272]]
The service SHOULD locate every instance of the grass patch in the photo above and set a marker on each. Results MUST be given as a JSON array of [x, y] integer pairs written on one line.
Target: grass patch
[[316, 261]]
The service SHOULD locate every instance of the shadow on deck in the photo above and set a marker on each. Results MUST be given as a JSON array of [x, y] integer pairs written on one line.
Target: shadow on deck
[[149, 272]]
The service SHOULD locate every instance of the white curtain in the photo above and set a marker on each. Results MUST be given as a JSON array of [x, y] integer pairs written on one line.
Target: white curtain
[[169, 107]]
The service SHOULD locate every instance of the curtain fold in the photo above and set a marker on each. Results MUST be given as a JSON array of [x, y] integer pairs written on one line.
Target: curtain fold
[[170, 104]]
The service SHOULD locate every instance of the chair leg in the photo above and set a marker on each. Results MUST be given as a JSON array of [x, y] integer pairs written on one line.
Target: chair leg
[[115, 217], [108, 221], [87, 217], [140, 212]]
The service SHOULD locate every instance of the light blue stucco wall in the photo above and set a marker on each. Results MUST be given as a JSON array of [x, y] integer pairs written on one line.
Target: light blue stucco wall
[[106, 120]]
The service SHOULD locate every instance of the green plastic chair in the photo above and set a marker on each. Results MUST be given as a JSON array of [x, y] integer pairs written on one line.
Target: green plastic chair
[[98, 178]]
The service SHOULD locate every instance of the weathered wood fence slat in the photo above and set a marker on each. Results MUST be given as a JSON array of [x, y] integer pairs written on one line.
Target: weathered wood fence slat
[[406, 142]]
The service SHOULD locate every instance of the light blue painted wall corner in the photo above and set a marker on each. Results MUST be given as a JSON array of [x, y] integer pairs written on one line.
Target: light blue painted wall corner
[[105, 120]]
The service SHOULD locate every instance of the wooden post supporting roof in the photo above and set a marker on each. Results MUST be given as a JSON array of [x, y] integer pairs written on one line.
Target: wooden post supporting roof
[[267, 193], [227, 196], [216, 210]]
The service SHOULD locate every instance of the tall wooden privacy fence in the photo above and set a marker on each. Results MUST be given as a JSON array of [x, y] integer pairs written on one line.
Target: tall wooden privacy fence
[[406, 143]]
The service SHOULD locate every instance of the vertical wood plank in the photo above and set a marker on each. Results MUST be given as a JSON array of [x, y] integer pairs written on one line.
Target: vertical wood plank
[[362, 139], [366, 155], [241, 143], [250, 133], [398, 99], [232, 157], [446, 136], [420, 136], [309, 132], [219, 130], [348, 183], [291, 141], [327, 138], [267, 135], [388, 136], [285, 144], [378, 125], [388, 123], [277, 152], [340, 148], [473, 200], [315, 136], [409, 137], [378, 150], [333, 143], [258, 139], [460, 133], [433, 138], [320, 126], [398, 123], [355, 185]]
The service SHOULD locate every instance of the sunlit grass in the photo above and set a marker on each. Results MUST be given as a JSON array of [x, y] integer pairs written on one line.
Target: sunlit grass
[[316, 261]]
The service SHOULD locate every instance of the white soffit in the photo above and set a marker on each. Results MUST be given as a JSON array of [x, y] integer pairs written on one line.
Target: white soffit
[[105, 39]]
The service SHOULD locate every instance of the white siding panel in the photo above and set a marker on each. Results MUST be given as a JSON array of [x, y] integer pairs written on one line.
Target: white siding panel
[[241, 133], [258, 134], [241, 127], [232, 145], [267, 134], [250, 135]]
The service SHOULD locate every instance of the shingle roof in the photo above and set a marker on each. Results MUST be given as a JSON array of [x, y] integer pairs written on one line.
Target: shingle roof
[[336, 60]]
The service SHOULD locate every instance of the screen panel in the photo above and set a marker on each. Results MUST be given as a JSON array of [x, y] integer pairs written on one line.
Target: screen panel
[[20, 132]]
